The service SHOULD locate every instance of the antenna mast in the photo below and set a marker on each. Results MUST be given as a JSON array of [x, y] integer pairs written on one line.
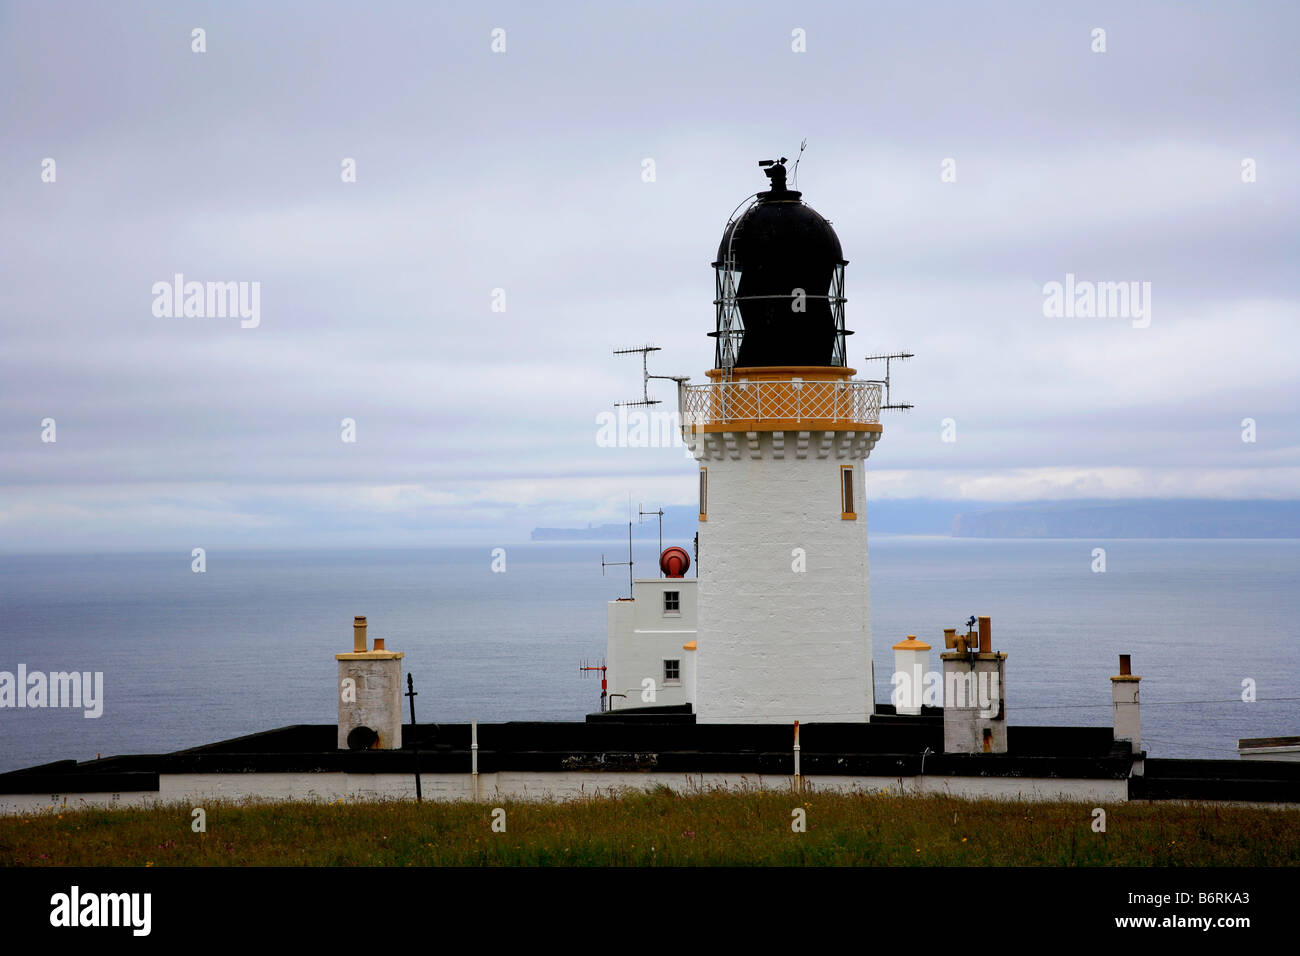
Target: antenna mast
[[584, 667], [901, 356], [660, 513], [645, 351], [618, 564]]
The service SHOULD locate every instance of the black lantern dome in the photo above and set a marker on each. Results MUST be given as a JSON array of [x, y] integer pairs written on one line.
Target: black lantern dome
[[780, 284]]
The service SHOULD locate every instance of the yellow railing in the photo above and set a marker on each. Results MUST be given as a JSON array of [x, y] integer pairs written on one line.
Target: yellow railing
[[814, 403]]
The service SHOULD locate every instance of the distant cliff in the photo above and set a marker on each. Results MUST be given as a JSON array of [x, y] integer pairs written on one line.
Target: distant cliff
[[1120, 518], [887, 516], [1133, 518], [600, 532], [679, 524]]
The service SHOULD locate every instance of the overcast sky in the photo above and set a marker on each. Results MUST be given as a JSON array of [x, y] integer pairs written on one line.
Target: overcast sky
[[522, 171]]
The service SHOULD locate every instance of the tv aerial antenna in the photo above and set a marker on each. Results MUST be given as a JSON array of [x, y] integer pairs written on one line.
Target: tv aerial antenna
[[584, 668], [899, 356], [644, 514], [645, 351], [618, 564]]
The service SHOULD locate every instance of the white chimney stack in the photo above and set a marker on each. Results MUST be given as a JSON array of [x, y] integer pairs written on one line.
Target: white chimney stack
[[369, 694], [974, 693], [1124, 696], [911, 662]]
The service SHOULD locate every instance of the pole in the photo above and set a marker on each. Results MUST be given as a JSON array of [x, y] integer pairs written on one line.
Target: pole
[[642, 512], [473, 754], [798, 777], [415, 741]]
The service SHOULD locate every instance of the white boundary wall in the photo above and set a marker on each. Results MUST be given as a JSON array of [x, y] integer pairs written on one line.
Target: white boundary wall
[[559, 785]]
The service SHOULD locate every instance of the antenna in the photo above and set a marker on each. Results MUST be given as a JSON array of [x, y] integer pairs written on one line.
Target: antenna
[[660, 513], [645, 351], [618, 564], [802, 147], [901, 356], [584, 667]]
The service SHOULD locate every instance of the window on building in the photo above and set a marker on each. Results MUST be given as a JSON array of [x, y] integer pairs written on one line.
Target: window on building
[[672, 671], [672, 602], [847, 510], [704, 493]]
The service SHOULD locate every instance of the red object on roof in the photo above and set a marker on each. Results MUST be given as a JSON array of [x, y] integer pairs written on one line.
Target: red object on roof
[[674, 562]]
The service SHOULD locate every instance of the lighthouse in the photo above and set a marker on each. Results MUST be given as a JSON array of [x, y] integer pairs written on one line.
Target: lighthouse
[[781, 431]]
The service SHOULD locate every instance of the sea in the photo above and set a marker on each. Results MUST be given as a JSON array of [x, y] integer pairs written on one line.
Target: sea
[[246, 645]]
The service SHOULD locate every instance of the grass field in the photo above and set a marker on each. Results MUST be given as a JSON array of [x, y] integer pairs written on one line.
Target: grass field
[[660, 828]]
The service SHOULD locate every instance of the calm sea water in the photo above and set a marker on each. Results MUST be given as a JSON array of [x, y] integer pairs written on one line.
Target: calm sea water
[[248, 645]]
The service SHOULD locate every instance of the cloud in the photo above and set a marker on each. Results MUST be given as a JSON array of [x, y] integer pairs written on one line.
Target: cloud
[[523, 172]]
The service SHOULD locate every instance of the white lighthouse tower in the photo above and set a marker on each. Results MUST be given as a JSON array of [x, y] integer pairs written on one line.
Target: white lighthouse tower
[[782, 432]]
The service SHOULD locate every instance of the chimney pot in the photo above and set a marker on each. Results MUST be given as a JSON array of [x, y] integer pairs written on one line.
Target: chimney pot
[[359, 635], [986, 635], [1125, 665]]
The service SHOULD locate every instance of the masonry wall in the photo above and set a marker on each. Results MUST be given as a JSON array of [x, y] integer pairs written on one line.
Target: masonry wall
[[777, 643], [378, 703], [642, 636], [195, 789]]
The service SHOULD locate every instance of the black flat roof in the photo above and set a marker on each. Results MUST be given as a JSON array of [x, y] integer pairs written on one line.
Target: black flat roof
[[888, 746]]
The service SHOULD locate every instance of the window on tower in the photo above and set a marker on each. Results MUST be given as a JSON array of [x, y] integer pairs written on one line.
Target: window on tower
[[672, 602], [704, 494], [672, 671], [847, 510]]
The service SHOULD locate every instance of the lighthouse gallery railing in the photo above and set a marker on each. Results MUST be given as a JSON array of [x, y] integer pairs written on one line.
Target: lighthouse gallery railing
[[781, 401]]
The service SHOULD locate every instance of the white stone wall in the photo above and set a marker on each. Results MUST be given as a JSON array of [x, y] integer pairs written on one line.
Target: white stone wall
[[642, 636], [195, 790], [620, 624], [1126, 699], [378, 703], [778, 644], [974, 700], [688, 674], [1269, 753]]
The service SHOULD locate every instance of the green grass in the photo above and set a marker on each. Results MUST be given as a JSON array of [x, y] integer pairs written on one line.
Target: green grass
[[660, 828]]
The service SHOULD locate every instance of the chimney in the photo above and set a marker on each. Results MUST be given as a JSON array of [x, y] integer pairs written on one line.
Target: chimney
[[974, 692], [369, 694], [911, 661], [1126, 706]]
